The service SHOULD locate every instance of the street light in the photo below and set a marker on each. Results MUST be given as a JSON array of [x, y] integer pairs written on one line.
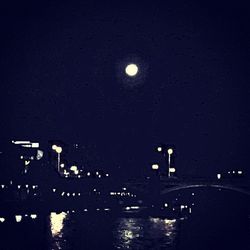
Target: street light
[[155, 166], [58, 150], [159, 149], [167, 152], [170, 152]]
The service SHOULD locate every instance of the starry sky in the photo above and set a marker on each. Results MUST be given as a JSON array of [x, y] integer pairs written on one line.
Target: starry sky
[[62, 77]]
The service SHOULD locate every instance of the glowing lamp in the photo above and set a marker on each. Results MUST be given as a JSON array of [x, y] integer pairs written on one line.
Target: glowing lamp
[[172, 170], [155, 166], [58, 150], [73, 168], [159, 149], [170, 151]]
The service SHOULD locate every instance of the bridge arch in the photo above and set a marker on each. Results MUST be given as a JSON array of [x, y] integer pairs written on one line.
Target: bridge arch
[[189, 186]]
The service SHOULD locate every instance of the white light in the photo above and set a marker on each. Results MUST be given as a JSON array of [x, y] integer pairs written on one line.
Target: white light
[[2, 186], [62, 165], [88, 174], [73, 168], [26, 185], [107, 175], [240, 172], [58, 150], [18, 218], [172, 170], [39, 155], [79, 194], [106, 209], [135, 207], [131, 69], [159, 149], [62, 194], [85, 210], [193, 194], [68, 194], [166, 205], [218, 176], [21, 142], [73, 194], [35, 145], [155, 166], [18, 186], [33, 216], [2, 219], [54, 147], [26, 163], [54, 190], [170, 151], [127, 208]]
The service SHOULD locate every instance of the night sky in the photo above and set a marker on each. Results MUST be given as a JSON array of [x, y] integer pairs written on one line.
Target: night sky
[[62, 77]]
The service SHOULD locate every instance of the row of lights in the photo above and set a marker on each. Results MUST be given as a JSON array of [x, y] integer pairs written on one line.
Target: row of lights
[[19, 218], [122, 194], [239, 173], [84, 210], [70, 194], [132, 208], [74, 168], [20, 186], [166, 205]]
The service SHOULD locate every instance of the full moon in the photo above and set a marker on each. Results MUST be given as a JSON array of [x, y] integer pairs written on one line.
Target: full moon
[[131, 69]]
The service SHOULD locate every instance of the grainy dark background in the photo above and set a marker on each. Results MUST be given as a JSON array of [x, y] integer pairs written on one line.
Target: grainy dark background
[[62, 76]]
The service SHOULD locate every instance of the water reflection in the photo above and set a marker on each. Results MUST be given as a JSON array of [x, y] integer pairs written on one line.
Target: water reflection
[[151, 233], [57, 224]]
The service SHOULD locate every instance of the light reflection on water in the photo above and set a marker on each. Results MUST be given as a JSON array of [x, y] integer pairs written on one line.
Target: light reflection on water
[[138, 233], [56, 224], [127, 233]]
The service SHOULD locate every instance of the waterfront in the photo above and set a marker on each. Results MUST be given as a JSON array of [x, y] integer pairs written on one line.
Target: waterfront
[[213, 225]]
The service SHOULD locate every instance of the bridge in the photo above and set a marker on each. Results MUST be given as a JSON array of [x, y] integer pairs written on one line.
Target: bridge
[[168, 185]]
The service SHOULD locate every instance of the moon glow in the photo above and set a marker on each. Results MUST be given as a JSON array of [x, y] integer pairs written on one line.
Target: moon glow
[[131, 69]]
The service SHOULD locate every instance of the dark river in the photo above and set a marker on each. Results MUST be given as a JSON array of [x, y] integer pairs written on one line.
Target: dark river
[[214, 224]]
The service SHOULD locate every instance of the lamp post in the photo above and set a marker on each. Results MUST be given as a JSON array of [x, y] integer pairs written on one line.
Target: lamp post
[[58, 150], [167, 154], [170, 152]]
